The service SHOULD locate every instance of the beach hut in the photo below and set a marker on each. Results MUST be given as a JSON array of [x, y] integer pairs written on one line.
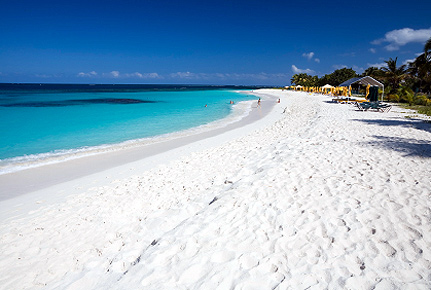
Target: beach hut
[[326, 89], [365, 82], [327, 86]]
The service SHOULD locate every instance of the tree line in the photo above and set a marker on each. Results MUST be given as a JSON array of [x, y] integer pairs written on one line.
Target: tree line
[[403, 83]]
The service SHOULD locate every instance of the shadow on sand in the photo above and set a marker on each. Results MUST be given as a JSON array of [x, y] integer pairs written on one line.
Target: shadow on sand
[[408, 146], [418, 124]]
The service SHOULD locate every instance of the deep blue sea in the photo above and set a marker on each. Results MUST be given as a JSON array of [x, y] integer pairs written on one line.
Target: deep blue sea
[[39, 122]]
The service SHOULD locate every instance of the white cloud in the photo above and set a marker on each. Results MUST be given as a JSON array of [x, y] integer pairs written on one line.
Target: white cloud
[[136, 74], [392, 47], [90, 74], [184, 75], [228, 76], [309, 55], [115, 73], [298, 70], [373, 50], [339, 66], [400, 37], [257, 76], [189, 75], [377, 65], [142, 75], [408, 61], [152, 76]]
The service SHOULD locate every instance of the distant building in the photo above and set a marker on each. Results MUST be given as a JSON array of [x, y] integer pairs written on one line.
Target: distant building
[[356, 83]]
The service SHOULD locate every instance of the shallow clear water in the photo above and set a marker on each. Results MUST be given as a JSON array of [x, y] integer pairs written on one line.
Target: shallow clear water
[[33, 123]]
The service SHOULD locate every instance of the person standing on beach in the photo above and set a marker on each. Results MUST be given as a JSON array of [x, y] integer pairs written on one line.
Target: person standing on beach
[[258, 102]]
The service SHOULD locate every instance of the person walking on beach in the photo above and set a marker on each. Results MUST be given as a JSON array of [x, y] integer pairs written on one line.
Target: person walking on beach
[[258, 103]]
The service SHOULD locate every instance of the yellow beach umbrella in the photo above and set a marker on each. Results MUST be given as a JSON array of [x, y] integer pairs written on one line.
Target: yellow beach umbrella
[[368, 91]]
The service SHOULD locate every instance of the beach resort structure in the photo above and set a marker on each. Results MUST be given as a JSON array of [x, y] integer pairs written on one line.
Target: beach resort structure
[[347, 89], [354, 84]]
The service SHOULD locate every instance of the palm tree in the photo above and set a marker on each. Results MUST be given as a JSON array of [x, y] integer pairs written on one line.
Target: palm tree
[[420, 69], [304, 79], [296, 79], [394, 75], [417, 69], [372, 72], [427, 47]]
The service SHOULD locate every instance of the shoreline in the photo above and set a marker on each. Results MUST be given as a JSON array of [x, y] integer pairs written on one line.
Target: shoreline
[[27, 161], [313, 195], [133, 160]]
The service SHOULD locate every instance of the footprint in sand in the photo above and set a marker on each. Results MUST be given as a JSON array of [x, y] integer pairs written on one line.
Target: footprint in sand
[[386, 248], [248, 261], [222, 257]]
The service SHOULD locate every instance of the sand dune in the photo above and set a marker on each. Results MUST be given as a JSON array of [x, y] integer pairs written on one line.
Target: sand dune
[[324, 196]]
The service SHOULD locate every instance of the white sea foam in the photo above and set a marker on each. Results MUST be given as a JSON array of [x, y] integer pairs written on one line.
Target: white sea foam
[[9, 165]]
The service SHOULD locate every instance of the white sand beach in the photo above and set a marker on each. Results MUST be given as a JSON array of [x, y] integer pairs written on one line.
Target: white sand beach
[[313, 195]]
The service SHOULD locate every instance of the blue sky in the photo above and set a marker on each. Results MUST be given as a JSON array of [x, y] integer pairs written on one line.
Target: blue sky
[[203, 42]]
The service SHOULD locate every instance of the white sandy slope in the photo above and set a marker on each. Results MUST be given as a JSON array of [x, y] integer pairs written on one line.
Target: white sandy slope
[[323, 197]]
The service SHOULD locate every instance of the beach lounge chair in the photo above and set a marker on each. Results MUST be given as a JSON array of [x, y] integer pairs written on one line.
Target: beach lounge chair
[[384, 107], [343, 100], [363, 106], [378, 106]]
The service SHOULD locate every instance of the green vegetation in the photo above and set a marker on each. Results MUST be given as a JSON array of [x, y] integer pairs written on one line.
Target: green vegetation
[[334, 79], [424, 110], [409, 84], [418, 108], [337, 77], [304, 79]]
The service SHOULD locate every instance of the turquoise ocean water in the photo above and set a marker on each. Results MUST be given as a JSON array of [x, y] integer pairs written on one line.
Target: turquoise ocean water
[[39, 123]]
